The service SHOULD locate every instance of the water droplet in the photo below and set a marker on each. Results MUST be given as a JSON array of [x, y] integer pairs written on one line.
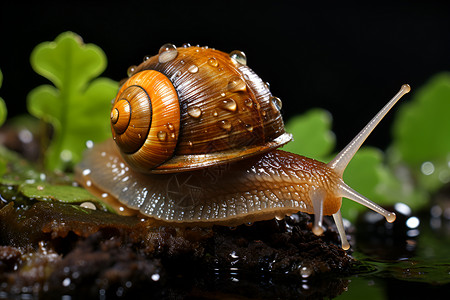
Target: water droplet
[[167, 53], [172, 135], [193, 69], [131, 70], [162, 136], [66, 282], [89, 144], [155, 277], [215, 114], [229, 104], [225, 124], [186, 45], [170, 126], [147, 57], [267, 85], [191, 144], [194, 111], [88, 205], [239, 57], [236, 84], [279, 217], [248, 102], [213, 62], [277, 102], [249, 127], [305, 272]]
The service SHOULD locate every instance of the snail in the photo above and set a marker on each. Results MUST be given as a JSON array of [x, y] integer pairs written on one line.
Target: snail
[[195, 137]]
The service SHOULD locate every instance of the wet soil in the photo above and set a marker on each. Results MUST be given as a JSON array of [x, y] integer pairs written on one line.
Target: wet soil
[[49, 249]]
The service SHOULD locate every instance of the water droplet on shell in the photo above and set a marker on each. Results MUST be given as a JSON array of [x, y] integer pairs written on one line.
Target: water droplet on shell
[[194, 111], [213, 62], [170, 126], [239, 57], [276, 102], [167, 53], [249, 127], [162, 136], [131, 70], [147, 57], [225, 124], [236, 84], [193, 69], [215, 113], [229, 104], [248, 102]]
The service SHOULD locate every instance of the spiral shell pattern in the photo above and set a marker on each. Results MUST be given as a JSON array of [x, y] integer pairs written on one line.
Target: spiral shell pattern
[[145, 120], [222, 111]]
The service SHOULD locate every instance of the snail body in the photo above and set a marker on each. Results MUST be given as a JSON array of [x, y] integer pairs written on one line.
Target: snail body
[[195, 133]]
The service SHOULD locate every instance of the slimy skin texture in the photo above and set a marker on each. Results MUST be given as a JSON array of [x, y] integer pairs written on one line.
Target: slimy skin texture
[[276, 183]]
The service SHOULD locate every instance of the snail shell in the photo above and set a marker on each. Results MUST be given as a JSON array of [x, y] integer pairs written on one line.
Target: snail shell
[[196, 133], [189, 108]]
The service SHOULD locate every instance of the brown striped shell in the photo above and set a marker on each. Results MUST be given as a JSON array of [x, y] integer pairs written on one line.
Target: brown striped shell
[[192, 107]]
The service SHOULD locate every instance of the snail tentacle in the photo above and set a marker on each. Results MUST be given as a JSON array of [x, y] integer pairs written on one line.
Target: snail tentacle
[[340, 162], [349, 193], [341, 230], [317, 198]]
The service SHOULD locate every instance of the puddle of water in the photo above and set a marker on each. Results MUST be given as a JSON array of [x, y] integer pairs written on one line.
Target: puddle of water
[[403, 266]]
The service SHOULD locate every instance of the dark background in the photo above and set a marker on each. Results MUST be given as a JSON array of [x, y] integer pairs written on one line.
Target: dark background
[[345, 57]]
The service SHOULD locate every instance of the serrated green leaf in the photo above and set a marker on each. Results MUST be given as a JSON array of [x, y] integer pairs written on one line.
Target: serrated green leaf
[[312, 134], [3, 110], [422, 133], [77, 106]]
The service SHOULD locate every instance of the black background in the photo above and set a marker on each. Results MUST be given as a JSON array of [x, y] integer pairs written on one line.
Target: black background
[[348, 58]]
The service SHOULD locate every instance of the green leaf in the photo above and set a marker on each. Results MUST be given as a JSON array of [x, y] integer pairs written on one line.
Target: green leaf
[[77, 105], [312, 135], [61, 193], [14, 170], [2, 104], [421, 133]]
